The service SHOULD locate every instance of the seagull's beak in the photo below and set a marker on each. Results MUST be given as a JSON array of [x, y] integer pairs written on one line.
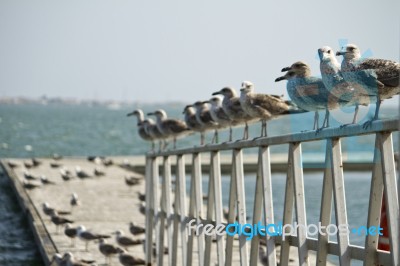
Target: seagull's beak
[[242, 89], [217, 93], [340, 53], [286, 69], [150, 114], [206, 101], [130, 114], [280, 78]]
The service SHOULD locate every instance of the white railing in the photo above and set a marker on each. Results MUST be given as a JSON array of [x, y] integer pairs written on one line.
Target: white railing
[[164, 220]]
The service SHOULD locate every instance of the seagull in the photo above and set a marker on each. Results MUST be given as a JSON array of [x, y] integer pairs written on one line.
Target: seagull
[[309, 92], [58, 220], [378, 77], [12, 164], [98, 172], [132, 181], [107, 161], [55, 164], [66, 175], [58, 259], [141, 129], [71, 232], [46, 181], [80, 173], [173, 128], [36, 162], [87, 236], [49, 210], [29, 176], [126, 241], [74, 200], [262, 106], [129, 260], [218, 115], [141, 196], [191, 121], [108, 250], [204, 118], [30, 185], [71, 261], [333, 80], [136, 229], [151, 128], [56, 157], [28, 164], [232, 107]]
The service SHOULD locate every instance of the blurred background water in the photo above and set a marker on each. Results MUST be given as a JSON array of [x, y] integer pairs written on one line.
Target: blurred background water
[[79, 130]]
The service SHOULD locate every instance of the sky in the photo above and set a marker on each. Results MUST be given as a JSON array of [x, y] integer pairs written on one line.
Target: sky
[[154, 51]]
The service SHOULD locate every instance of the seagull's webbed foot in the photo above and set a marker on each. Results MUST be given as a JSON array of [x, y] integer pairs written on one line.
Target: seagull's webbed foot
[[368, 124]]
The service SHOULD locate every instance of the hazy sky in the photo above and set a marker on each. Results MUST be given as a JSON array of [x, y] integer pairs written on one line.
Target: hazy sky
[[176, 50]]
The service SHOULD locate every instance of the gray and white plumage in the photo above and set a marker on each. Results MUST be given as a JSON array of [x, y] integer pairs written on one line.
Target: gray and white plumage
[[191, 121], [204, 118], [29, 176], [59, 220], [136, 229], [334, 81], [152, 130], [71, 232], [378, 77], [232, 107], [66, 175], [126, 241], [308, 92], [129, 260], [141, 130], [88, 236], [74, 201], [72, 261], [58, 259], [46, 181], [173, 128], [108, 250], [49, 210], [218, 114], [81, 173], [262, 107]]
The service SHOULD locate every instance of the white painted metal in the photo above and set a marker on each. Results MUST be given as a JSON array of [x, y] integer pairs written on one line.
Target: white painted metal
[[383, 176], [300, 203]]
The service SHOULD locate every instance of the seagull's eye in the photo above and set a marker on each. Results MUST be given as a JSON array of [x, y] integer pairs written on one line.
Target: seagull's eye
[[351, 48], [329, 51]]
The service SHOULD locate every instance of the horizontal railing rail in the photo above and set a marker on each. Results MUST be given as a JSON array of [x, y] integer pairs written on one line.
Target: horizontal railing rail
[[168, 214]]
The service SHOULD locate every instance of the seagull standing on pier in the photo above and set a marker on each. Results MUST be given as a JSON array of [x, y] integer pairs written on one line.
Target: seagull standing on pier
[[74, 200], [108, 250], [173, 128], [58, 220], [136, 229], [232, 107], [71, 232], [129, 260], [126, 241], [88, 236], [378, 77]]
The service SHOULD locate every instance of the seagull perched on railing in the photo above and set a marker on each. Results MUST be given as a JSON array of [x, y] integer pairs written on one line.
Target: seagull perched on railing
[[218, 115], [204, 118], [378, 77], [335, 83], [173, 128], [191, 121], [232, 107], [262, 106], [309, 92], [141, 127]]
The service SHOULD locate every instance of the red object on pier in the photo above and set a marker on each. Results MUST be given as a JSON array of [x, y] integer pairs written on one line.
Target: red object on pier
[[383, 242]]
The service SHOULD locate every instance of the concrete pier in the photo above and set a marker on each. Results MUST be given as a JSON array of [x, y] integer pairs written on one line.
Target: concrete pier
[[107, 205]]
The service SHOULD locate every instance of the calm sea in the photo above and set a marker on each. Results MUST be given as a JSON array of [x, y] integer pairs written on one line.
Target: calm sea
[[76, 130]]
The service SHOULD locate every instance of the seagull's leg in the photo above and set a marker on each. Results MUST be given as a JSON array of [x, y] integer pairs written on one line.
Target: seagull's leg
[[202, 138], [174, 143], [355, 114], [152, 145], [369, 122], [230, 133], [316, 122], [246, 131], [213, 140], [325, 123], [86, 245]]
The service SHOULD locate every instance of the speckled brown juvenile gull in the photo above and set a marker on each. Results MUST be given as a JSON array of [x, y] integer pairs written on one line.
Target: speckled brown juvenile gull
[[379, 77]]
